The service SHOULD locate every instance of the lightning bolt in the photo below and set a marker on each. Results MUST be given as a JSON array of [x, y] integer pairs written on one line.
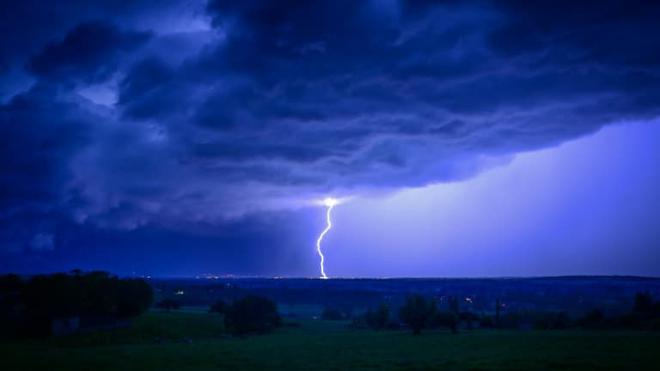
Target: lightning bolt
[[329, 204]]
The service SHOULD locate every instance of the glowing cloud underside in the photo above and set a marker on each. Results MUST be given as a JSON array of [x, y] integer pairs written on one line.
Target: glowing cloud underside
[[329, 204]]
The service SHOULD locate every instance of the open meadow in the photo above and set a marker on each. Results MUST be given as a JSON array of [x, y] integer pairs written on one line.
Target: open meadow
[[196, 341]]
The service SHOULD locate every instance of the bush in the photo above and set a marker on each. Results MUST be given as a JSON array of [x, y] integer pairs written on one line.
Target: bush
[[252, 315], [417, 313]]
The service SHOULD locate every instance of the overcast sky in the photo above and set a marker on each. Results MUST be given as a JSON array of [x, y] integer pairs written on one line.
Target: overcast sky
[[472, 138]]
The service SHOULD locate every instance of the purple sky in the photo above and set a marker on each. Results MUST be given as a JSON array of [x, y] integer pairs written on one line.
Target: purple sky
[[588, 206], [474, 138]]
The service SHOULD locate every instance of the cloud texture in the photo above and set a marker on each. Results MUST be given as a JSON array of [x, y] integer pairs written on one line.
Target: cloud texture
[[186, 115]]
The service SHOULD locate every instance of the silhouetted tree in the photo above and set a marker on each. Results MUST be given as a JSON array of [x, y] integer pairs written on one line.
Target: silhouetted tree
[[417, 312], [134, 296], [52, 296], [252, 314], [44, 298], [99, 293], [168, 304], [643, 306], [10, 283], [10, 289]]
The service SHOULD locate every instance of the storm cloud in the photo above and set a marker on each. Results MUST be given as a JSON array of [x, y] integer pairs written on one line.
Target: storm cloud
[[188, 115]]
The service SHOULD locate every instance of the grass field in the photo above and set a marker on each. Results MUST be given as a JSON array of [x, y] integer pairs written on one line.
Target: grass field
[[195, 341]]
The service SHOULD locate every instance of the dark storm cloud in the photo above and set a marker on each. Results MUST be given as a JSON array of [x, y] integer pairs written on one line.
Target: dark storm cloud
[[616, 33], [38, 137], [367, 89], [28, 25], [89, 52], [233, 107]]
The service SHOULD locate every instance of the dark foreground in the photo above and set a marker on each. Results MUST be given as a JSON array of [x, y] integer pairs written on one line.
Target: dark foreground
[[196, 341]]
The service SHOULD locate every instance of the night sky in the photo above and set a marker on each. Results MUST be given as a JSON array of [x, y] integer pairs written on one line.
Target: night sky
[[471, 138]]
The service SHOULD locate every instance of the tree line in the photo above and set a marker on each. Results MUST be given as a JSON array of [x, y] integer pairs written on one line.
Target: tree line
[[30, 305], [419, 312]]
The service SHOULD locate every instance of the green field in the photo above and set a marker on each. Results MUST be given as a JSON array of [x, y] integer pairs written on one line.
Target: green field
[[195, 341]]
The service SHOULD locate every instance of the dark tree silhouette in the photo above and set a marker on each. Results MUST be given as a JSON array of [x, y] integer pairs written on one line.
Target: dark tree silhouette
[[643, 304], [10, 303], [252, 314], [10, 283], [134, 296], [43, 298], [417, 312]]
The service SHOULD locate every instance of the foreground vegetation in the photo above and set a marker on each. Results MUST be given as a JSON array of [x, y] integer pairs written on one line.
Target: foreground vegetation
[[197, 341], [61, 303]]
